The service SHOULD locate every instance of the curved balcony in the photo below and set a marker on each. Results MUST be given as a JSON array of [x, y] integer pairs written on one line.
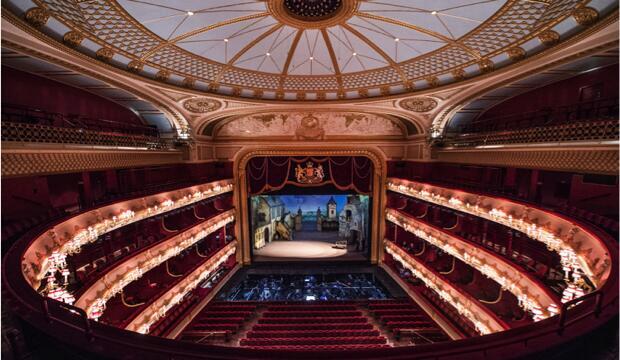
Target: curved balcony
[[484, 320], [49, 250], [581, 251], [533, 296]]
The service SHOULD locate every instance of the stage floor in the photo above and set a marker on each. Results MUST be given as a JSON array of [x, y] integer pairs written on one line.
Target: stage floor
[[308, 250]]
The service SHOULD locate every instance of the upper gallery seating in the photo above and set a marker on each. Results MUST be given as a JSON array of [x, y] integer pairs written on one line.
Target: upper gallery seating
[[28, 115]]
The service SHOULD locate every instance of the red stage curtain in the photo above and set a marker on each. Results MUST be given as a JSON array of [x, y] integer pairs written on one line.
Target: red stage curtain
[[344, 172]]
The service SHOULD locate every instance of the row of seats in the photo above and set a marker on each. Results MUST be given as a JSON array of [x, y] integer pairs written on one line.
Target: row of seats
[[351, 340], [316, 325], [220, 317], [306, 313], [311, 333]]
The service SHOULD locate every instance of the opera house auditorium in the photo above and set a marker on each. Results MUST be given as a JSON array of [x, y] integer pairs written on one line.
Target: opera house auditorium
[[309, 179]]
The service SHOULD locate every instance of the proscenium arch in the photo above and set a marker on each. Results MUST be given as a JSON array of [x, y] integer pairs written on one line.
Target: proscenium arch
[[240, 193]]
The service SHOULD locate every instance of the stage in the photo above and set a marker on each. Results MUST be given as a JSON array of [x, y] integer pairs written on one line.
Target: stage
[[308, 250]]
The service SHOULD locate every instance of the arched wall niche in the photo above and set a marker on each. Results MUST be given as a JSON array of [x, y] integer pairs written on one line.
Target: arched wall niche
[[241, 194]]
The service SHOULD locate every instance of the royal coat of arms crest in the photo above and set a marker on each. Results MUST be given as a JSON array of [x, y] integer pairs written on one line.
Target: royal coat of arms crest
[[310, 174]]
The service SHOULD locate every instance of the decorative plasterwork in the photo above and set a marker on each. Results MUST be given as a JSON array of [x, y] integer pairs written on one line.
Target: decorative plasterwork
[[201, 105], [311, 126], [576, 159], [418, 104], [378, 204], [375, 49], [22, 161]]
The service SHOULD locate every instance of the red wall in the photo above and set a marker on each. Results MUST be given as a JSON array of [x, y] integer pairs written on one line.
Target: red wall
[[565, 92], [25, 89]]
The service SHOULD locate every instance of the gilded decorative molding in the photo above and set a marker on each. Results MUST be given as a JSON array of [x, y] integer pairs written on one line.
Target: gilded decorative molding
[[105, 54], [73, 38], [243, 156], [486, 65], [458, 74], [25, 162], [526, 19], [579, 160], [585, 16], [516, 53], [418, 104], [37, 16], [201, 105], [549, 38], [162, 75]]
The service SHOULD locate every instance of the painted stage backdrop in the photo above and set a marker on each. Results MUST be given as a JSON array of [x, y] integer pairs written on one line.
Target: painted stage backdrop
[[338, 219]]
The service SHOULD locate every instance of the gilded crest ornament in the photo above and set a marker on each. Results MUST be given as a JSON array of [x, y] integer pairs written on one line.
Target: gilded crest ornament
[[310, 128], [418, 104], [310, 174], [201, 105]]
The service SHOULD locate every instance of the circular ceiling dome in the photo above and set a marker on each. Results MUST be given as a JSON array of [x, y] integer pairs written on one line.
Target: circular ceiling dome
[[316, 49]]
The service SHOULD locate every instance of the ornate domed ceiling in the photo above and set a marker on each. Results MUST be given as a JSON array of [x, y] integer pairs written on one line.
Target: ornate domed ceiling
[[311, 49]]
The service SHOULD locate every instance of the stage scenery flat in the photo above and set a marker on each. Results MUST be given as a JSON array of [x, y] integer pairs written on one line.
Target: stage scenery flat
[[310, 227]]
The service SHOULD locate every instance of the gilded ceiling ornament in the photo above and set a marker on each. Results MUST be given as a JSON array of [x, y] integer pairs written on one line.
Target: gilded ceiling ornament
[[516, 53], [458, 74], [409, 85], [162, 75], [418, 104], [105, 54], [280, 95], [485, 65], [384, 90], [432, 81], [135, 66], [340, 94], [37, 16], [549, 38], [301, 95], [363, 93], [189, 82], [236, 91], [201, 105], [73, 38], [258, 93], [320, 95], [585, 16], [213, 87]]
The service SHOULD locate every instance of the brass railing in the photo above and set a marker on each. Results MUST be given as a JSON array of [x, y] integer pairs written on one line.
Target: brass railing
[[22, 132], [582, 131]]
